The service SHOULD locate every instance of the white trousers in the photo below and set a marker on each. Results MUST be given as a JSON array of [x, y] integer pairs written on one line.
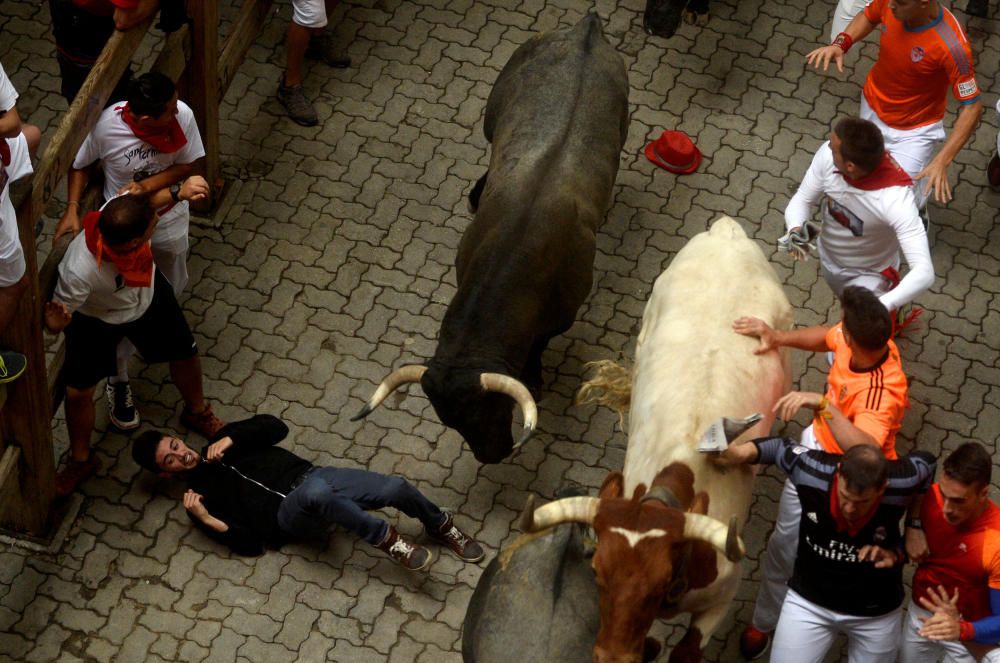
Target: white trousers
[[838, 277], [844, 13], [782, 546], [911, 148], [806, 632], [917, 649]]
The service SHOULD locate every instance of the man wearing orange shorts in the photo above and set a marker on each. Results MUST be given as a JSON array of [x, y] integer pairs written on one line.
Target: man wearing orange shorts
[[864, 404], [923, 52]]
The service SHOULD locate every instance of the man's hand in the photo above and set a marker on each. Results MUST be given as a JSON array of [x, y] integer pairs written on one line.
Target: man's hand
[[216, 450], [793, 401], [916, 544], [824, 55], [126, 19], [69, 223], [751, 326], [738, 453], [194, 188], [881, 557], [938, 602], [194, 506], [57, 316], [936, 176]]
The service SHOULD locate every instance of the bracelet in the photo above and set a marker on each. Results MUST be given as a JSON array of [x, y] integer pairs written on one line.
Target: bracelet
[[822, 410], [73, 202], [843, 41]]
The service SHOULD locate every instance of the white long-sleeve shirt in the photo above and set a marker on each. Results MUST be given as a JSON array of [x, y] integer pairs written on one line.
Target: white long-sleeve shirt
[[865, 229]]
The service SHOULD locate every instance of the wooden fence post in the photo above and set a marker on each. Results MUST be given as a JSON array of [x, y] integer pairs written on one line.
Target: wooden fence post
[[203, 82]]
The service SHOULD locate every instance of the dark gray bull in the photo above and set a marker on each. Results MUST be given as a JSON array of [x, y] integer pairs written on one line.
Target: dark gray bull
[[662, 17], [557, 119], [535, 603]]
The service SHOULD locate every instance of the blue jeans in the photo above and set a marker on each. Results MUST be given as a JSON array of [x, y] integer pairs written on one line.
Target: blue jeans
[[342, 496]]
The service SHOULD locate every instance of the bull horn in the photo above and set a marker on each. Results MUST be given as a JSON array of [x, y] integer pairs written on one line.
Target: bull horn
[[566, 510], [392, 382], [711, 531], [504, 384]]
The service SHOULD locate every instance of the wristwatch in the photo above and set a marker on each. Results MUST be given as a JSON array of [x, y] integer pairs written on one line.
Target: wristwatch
[[175, 192], [914, 523]]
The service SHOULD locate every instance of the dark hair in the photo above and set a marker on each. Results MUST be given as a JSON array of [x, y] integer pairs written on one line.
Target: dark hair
[[863, 467], [861, 142], [149, 94], [125, 218], [866, 319], [970, 465], [144, 449]]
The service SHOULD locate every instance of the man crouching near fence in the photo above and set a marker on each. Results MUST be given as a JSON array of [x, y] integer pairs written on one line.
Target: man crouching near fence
[[110, 289]]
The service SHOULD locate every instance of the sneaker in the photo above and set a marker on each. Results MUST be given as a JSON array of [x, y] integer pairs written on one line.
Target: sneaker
[[204, 422], [753, 642], [74, 473], [993, 172], [457, 541], [121, 408], [12, 365], [414, 557], [299, 108], [322, 50]]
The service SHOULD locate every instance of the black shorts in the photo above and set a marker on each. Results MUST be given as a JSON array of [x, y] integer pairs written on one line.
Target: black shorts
[[160, 334]]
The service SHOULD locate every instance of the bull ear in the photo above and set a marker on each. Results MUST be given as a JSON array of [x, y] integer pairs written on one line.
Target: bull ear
[[613, 486]]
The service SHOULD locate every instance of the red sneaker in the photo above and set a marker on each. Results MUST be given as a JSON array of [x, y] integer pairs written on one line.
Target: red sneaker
[[74, 473], [753, 642], [204, 422]]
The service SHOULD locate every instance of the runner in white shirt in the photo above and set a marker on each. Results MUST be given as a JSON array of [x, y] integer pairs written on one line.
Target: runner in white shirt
[[869, 216], [109, 289], [147, 145], [17, 143]]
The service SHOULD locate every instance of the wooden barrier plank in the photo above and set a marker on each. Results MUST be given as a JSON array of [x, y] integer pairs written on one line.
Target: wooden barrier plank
[[203, 92], [9, 484], [246, 28], [27, 420], [174, 55]]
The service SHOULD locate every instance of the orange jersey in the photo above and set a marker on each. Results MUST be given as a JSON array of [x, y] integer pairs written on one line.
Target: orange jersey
[[967, 558], [873, 400], [908, 86]]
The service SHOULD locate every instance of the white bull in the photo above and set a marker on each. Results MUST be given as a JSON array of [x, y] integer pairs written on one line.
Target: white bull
[[690, 369]]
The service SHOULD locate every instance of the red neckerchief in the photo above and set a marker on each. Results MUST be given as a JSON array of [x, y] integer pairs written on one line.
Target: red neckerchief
[[135, 267], [167, 140], [886, 174], [838, 517]]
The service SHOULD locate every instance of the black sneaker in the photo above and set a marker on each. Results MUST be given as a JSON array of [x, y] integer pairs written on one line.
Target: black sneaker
[[460, 543], [299, 108], [414, 557], [977, 8], [121, 408], [12, 365], [993, 172]]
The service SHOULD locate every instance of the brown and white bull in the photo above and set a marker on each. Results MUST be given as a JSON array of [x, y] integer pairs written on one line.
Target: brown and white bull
[[667, 527]]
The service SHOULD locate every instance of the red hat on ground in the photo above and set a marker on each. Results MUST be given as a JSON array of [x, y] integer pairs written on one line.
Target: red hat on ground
[[675, 152]]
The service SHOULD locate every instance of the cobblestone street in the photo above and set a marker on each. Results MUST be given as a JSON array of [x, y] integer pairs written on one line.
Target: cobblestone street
[[334, 264]]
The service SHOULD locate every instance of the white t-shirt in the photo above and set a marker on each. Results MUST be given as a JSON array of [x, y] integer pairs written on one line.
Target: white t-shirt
[[865, 229], [122, 156], [8, 95], [98, 292], [15, 163]]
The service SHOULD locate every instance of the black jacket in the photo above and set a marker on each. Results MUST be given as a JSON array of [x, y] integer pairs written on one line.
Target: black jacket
[[245, 488]]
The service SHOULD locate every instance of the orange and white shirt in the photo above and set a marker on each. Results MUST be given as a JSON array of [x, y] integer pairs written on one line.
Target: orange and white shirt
[[908, 86], [966, 558], [874, 400]]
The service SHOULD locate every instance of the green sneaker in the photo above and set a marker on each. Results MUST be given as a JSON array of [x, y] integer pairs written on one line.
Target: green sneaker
[[12, 365]]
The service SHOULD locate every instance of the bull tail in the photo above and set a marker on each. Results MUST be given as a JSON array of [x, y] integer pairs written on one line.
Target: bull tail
[[611, 386]]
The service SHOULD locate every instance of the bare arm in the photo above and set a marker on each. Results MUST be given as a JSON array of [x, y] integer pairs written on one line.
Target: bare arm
[[193, 188], [162, 180], [844, 432], [804, 338], [194, 506], [76, 182], [859, 28], [936, 172]]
